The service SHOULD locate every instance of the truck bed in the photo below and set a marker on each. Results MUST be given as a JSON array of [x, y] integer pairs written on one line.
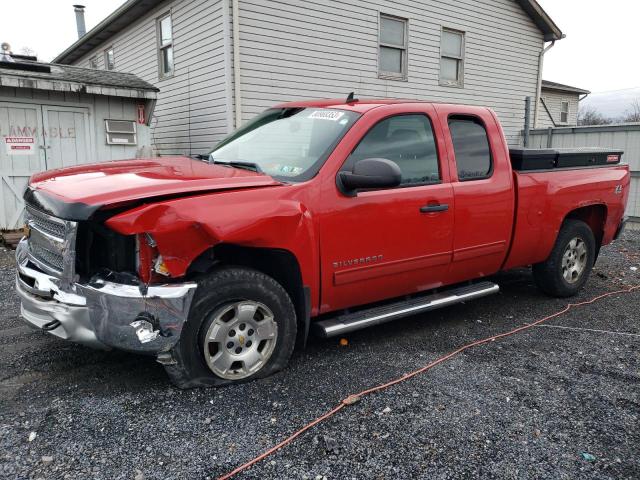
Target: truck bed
[[544, 195]]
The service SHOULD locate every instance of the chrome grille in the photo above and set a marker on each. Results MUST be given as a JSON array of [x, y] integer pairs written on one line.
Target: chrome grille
[[51, 242], [43, 222], [44, 256]]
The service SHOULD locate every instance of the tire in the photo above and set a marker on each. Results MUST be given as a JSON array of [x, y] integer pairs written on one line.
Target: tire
[[238, 315], [567, 269]]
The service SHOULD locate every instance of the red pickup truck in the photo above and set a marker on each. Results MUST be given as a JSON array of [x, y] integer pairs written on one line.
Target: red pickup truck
[[323, 216]]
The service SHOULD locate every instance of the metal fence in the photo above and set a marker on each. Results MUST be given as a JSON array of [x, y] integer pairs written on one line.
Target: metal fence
[[625, 137]]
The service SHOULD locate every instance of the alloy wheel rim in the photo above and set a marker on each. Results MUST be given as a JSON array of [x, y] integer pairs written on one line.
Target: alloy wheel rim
[[240, 339], [574, 260]]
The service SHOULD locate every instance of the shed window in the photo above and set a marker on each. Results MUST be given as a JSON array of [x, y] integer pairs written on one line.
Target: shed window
[[93, 62], [452, 58], [121, 132], [393, 39], [165, 46], [109, 59], [564, 112]]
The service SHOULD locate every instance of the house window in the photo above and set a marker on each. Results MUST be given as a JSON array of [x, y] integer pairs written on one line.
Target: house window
[[93, 62], [452, 58], [393, 39], [165, 46], [109, 59], [564, 112]]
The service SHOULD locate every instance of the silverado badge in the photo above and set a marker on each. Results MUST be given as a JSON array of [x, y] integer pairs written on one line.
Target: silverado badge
[[357, 261]]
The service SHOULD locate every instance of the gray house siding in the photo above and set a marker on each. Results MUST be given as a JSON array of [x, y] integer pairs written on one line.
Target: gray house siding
[[191, 113], [553, 101], [300, 50], [292, 50]]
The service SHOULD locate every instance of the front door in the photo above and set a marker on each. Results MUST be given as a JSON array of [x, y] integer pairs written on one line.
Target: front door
[[390, 242]]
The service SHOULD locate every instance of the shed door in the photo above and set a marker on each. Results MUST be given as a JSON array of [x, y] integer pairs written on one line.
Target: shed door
[[66, 135], [21, 154], [60, 137]]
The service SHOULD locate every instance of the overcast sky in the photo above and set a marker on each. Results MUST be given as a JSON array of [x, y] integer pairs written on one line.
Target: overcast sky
[[598, 53]]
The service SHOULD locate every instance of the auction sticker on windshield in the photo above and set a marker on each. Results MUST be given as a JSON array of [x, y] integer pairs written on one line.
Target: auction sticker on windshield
[[326, 115]]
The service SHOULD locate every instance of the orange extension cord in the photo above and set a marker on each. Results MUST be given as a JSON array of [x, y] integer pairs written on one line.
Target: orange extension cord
[[351, 399]]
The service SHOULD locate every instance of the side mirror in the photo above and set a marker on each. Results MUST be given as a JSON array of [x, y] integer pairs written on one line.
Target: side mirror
[[370, 173]]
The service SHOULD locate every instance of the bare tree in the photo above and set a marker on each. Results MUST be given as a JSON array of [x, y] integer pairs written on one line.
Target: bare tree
[[591, 116], [28, 51], [632, 114]]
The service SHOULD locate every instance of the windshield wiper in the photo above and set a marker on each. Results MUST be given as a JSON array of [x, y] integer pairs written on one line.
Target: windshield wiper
[[238, 164]]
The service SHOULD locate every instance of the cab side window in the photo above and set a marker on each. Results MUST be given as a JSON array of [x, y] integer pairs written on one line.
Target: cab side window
[[471, 148], [407, 140]]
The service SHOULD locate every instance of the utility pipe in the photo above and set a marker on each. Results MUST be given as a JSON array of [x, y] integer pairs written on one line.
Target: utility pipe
[[539, 85], [228, 66], [236, 61]]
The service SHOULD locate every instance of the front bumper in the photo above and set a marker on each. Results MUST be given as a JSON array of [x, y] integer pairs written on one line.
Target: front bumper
[[100, 313]]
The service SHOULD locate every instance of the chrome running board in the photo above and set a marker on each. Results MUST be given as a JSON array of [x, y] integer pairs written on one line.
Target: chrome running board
[[374, 316]]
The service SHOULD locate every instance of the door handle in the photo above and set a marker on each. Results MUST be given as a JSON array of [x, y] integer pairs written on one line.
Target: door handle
[[434, 207]]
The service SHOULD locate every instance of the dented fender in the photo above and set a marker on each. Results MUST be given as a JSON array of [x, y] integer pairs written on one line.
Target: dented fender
[[184, 228]]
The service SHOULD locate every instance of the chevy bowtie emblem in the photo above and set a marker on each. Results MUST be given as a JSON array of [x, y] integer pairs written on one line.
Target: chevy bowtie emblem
[[27, 230], [241, 339]]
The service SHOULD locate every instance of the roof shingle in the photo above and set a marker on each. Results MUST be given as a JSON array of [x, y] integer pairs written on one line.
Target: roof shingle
[[10, 72]]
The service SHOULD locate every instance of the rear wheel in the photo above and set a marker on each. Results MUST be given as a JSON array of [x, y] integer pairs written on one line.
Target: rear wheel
[[568, 267], [241, 326]]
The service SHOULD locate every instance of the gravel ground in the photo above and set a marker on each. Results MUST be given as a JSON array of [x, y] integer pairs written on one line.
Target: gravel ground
[[546, 403]]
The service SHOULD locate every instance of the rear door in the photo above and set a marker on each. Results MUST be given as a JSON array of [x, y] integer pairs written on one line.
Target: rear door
[[389, 242], [483, 188]]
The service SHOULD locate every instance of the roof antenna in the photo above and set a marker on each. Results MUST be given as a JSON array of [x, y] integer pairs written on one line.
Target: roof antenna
[[351, 98]]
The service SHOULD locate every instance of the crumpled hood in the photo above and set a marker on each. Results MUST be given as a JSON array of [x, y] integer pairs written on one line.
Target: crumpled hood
[[75, 193]]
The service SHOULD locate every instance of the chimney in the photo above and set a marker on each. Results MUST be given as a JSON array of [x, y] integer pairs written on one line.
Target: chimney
[[82, 29]]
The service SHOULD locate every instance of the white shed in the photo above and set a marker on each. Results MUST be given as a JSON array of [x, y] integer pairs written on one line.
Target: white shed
[[54, 116]]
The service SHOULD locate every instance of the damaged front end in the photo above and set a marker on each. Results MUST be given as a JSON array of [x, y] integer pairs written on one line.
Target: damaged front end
[[81, 282]]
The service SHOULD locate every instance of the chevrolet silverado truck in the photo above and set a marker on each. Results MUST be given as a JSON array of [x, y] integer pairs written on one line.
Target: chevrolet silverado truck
[[315, 217]]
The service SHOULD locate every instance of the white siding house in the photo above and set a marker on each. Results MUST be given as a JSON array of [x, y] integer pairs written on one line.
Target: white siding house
[[559, 105], [223, 61]]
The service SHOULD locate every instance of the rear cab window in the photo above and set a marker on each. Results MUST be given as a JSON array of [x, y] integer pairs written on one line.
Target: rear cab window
[[471, 148]]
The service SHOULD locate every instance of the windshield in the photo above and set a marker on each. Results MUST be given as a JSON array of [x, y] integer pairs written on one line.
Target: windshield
[[290, 144]]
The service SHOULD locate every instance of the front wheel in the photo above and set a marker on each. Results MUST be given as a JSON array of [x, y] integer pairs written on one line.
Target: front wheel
[[241, 326], [568, 267]]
